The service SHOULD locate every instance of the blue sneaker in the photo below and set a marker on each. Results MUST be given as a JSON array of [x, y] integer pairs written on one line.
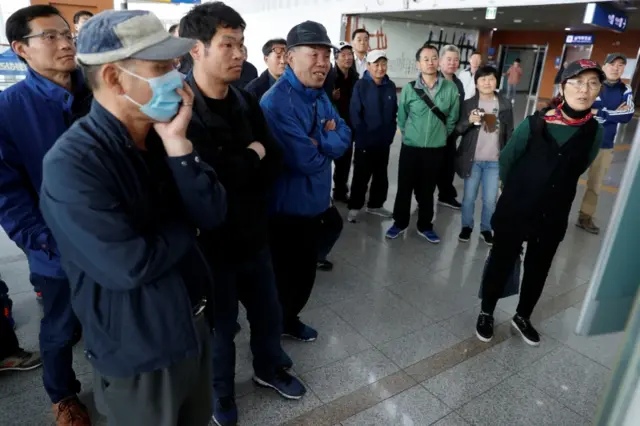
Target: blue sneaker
[[431, 236], [394, 232], [225, 412], [300, 331], [286, 363], [284, 383]]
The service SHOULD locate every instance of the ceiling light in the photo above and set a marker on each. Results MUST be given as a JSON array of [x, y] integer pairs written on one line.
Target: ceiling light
[[495, 29], [517, 21], [475, 17], [466, 10], [567, 29]]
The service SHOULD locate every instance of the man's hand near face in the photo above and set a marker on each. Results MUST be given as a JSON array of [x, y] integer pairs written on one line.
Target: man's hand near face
[[258, 148]]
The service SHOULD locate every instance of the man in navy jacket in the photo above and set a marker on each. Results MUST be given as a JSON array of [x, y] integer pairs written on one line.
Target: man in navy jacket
[[373, 110], [126, 196], [614, 106], [274, 51], [33, 114], [307, 126]]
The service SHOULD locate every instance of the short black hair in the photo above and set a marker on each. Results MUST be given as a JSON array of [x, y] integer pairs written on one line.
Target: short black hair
[[484, 72], [90, 74], [426, 46], [476, 52], [81, 14], [202, 22], [268, 46], [359, 31], [18, 27], [172, 28], [517, 60]]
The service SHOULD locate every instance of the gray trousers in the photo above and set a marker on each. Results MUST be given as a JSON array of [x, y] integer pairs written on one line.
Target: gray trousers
[[179, 395]]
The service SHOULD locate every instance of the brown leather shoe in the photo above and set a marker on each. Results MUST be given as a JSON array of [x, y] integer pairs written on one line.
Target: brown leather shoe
[[71, 412], [586, 223]]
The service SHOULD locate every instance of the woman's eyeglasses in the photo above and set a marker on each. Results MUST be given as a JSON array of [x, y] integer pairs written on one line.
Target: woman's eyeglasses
[[591, 85]]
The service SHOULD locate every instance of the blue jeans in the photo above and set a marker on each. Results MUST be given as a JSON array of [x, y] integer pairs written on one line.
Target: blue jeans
[[511, 91], [487, 172], [57, 329], [250, 280]]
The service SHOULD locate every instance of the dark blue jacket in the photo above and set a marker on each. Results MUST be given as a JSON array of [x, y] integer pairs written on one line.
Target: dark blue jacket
[[297, 116], [128, 241], [249, 73], [33, 114], [611, 97], [373, 112], [259, 86]]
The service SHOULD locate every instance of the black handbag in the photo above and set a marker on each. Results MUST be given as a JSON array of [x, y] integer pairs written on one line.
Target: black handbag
[[512, 287]]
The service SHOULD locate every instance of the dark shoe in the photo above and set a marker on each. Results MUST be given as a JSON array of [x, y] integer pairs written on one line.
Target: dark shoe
[[587, 224], [286, 363], [465, 235], [7, 310], [452, 204], [324, 265], [225, 412], [340, 198], [21, 361], [526, 330], [300, 331], [487, 236], [484, 327], [430, 236], [71, 412], [284, 383]]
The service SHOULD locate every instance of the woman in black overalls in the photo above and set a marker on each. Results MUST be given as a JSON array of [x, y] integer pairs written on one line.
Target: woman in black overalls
[[540, 167]]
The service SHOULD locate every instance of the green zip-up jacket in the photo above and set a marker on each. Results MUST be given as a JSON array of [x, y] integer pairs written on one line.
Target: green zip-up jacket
[[420, 127]]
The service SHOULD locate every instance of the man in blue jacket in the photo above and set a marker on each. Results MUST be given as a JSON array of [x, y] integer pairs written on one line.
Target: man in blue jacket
[[33, 114], [614, 106], [126, 195], [307, 126], [373, 110]]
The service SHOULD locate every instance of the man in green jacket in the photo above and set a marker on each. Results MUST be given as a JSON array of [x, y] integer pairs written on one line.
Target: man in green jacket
[[427, 115]]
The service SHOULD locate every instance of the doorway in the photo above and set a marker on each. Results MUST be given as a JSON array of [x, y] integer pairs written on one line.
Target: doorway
[[532, 59]]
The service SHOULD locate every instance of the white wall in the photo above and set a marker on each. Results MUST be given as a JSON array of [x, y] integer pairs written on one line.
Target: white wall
[[7, 7]]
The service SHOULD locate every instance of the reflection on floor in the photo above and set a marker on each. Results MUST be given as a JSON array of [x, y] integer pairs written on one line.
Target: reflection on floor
[[397, 345]]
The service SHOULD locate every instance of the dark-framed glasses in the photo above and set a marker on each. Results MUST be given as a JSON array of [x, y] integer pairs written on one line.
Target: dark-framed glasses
[[51, 36], [279, 51]]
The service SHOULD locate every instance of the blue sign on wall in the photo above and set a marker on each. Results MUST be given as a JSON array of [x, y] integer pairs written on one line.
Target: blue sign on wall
[[10, 65], [579, 39], [606, 16]]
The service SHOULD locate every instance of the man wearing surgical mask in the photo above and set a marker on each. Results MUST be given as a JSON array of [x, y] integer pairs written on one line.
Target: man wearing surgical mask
[[126, 195]]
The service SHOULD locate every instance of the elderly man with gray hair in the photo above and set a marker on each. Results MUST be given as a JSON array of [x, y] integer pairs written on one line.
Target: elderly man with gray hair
[[447, 194]]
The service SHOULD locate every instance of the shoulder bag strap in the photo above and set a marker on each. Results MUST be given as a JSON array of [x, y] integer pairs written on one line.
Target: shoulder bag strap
[[427, 100]]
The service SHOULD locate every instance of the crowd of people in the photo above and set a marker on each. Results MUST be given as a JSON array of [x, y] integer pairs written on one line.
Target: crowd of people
[[165, 182]]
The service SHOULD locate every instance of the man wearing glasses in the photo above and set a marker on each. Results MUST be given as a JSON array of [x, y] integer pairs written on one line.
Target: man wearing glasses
[[33, 114], [274, 52]]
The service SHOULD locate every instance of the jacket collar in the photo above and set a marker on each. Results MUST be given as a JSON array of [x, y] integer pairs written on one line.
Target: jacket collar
[[201, 109], [310, 93], [115, 129], [353, 74], [422, 86], [52, 91], [267, 78]]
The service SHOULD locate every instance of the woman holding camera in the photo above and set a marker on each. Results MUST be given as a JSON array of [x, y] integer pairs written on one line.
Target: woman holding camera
[[486, 124], [540, 167]]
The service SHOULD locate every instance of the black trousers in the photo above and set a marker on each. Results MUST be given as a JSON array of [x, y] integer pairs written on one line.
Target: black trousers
[[418, 171], [369, 165], [8, 340], [537, 262], [341, 174], [294, 248], [331, 225], [446, 190]]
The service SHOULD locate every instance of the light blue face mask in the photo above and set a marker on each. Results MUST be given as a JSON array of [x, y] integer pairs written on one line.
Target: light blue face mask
[[165, 101]]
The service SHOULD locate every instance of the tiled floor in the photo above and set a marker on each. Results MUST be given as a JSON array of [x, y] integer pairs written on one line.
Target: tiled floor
[[397, 345]]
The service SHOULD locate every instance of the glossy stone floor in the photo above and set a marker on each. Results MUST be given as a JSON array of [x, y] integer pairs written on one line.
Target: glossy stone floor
[[397, 344]]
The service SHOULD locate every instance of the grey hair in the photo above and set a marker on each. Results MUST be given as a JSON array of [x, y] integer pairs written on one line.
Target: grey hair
[[450, 48]]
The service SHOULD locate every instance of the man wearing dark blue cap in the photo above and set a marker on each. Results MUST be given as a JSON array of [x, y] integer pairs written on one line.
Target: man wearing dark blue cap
[[308, 127], [33, 114], [125, 195]]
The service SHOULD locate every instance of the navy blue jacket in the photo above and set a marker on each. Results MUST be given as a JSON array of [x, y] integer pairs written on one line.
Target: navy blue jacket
[[33, 114], [611, 97], [296, 116], [259, 86], [249, 73], [128, 242], [373, 112]]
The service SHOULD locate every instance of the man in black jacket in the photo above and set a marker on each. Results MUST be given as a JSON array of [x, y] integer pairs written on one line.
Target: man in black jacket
[[248, 73], [230, 132], [274, 51], [344, 79]]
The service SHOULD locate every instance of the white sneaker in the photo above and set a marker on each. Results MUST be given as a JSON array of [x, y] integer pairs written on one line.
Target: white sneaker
[[382, 212], [352, 217]]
